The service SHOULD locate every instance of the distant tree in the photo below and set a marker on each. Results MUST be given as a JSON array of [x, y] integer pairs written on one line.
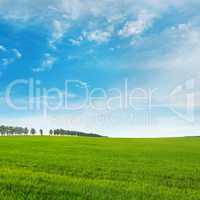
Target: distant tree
[[41, 132], [18, 131], [26, 131], [55, 132], [63, 132], [9, 130], [1, 130], [51, 132], [12, 130], [33, 131]]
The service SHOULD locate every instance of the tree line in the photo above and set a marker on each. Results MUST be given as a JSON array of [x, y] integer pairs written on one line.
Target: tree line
[[72, 133], [11, 131]]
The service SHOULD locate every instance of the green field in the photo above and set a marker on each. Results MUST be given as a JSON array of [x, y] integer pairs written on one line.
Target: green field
[[99, 168]]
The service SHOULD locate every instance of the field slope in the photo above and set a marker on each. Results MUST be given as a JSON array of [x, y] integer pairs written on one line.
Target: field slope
[[55, 168]]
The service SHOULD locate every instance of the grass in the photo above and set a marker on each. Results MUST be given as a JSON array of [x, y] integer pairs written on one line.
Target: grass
[[62, 168]]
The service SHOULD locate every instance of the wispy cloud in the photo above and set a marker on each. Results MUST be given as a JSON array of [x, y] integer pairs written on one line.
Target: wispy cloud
[[47, 63], [2, 48], [76, 42], [134, 16], [182, 51], [138, 26], [58, 30], [17, 53], [9, 56], [98, 36]]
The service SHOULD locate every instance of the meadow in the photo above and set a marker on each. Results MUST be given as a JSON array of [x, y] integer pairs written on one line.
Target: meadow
[[62, 168]]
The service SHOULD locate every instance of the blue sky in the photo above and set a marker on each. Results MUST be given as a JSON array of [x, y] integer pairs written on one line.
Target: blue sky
[[149, 44]]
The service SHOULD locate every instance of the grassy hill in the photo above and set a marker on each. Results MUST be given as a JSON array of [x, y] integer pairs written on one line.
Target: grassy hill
[[55, 168]]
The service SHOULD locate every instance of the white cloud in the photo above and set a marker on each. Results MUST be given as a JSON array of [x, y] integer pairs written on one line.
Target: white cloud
[[17, 53], [76, 42], [112, 10], [10, 56], [2, 48], [183, 50], [47, 63], [98, 36], [58, 30], [66, 13], [6, 61], [137, 27]]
